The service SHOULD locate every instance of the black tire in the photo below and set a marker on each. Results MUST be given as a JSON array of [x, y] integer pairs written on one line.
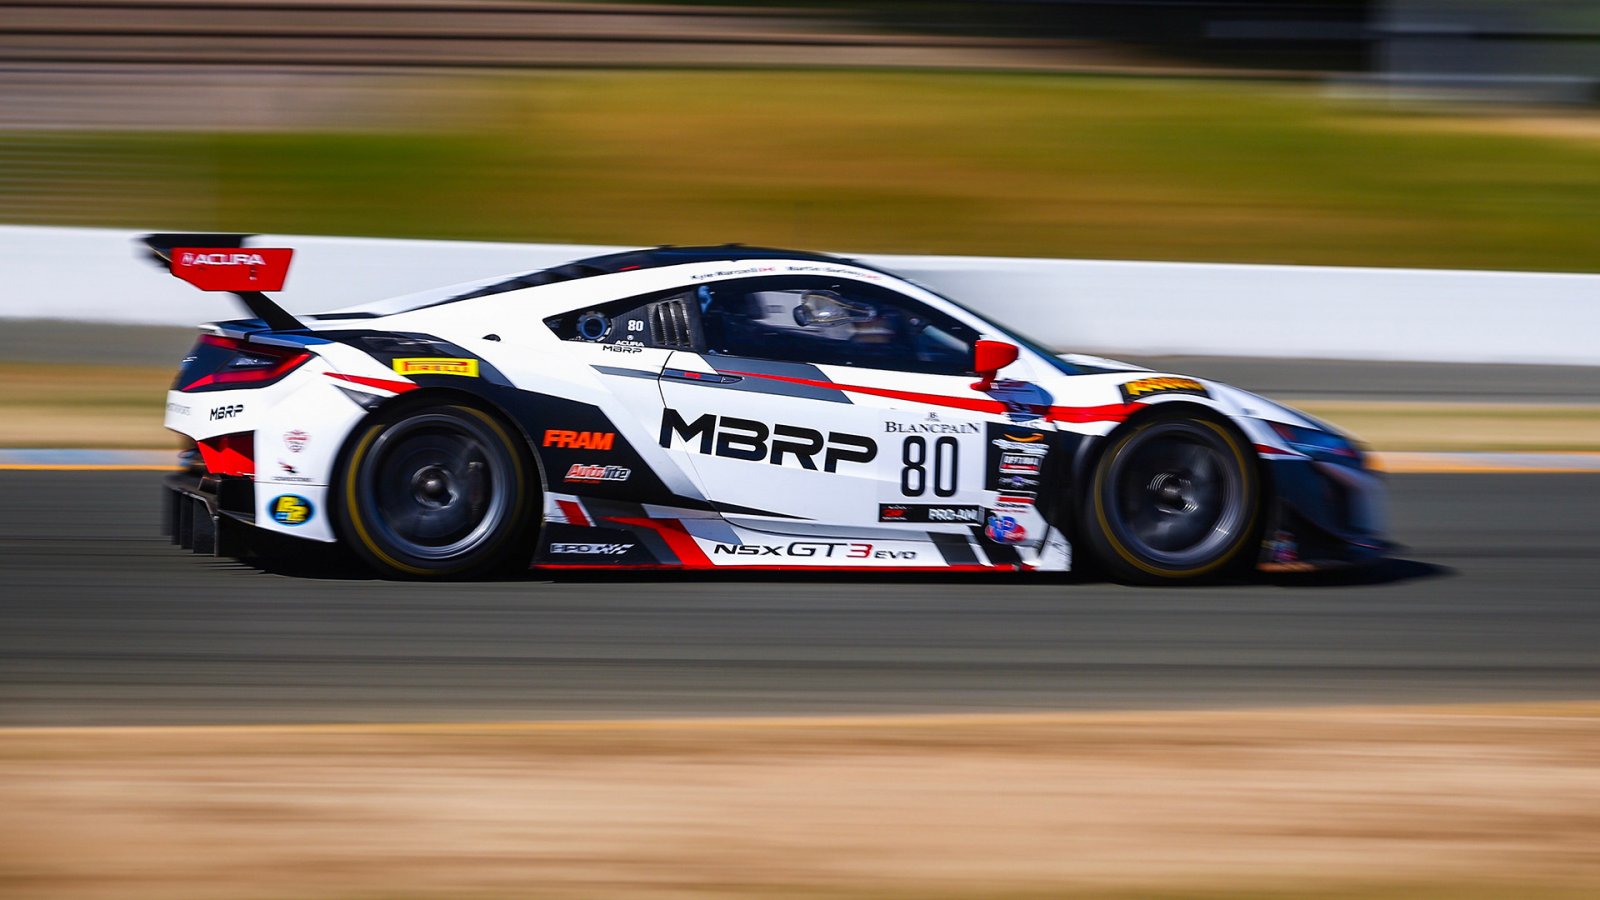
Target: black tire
[[440, 491], [1175, 497]]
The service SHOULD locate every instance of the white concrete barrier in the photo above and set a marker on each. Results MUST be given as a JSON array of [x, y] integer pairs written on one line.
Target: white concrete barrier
[[1085, 305]]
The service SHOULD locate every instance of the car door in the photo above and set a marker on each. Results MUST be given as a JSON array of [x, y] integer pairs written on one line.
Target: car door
[[821, 405], [606, 448]]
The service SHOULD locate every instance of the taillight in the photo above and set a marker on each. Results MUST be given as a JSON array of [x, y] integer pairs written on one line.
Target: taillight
[[230, 362]]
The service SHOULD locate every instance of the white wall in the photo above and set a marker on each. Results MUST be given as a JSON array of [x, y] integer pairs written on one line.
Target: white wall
[[1084, 305]]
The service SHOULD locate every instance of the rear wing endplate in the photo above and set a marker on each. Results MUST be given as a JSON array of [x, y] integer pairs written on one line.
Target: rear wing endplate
[[222, 262]]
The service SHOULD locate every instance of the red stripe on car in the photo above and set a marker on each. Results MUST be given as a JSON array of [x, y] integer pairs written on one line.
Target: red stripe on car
[[573, 512], [382, 384], [689, 554], [1114, 412]]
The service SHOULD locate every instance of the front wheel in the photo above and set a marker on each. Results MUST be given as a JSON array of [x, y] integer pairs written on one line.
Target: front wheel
[[1174, 498], [436, 492]]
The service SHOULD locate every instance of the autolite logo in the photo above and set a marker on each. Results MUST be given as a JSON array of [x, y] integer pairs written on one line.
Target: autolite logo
[[580, 440], [593, 474], [222, 259]]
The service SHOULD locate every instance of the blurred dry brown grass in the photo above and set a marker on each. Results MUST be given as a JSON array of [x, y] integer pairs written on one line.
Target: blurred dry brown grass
[[1462, 803], [938, 162], [71, 405], [1464, 427]]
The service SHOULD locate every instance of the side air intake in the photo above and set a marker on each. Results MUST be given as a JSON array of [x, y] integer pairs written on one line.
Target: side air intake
[[670, 325]]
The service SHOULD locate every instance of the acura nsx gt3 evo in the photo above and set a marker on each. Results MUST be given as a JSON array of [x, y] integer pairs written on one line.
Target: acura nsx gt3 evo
[[727, 407]]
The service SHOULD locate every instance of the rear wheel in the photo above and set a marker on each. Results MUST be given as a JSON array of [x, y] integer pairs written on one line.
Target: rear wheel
[[1174, 498], [437, 492]]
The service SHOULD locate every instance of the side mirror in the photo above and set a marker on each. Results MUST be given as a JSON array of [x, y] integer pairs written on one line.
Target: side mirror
[[988, 358]]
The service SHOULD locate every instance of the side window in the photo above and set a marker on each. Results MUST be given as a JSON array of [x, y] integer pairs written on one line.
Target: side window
[[831, 322], [663, 320]]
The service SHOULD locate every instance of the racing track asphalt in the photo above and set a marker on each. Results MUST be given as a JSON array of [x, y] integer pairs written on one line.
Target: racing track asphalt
[[102, 621]]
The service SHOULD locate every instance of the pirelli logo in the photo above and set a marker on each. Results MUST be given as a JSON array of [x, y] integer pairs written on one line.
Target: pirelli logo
[[418, 365], [1146, 387]]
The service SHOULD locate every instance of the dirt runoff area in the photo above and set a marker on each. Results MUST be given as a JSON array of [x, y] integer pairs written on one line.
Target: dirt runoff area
[[1471, 802]]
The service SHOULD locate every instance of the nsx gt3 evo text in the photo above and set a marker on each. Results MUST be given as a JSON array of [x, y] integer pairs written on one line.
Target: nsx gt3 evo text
[[728, 407]]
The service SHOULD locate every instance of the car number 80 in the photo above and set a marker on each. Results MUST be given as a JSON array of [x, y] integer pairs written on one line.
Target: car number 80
[[916, 477]]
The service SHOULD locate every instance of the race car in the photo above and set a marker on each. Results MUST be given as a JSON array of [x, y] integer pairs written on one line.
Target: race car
[[727, 407]]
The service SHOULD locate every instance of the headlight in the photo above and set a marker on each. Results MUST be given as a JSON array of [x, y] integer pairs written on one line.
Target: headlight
[[1319, 444]]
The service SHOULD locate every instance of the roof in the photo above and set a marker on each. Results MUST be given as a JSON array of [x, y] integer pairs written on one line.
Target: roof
[[654, 258]]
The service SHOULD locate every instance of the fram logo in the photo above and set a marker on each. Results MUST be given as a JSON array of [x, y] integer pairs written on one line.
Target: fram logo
[[580, 440]]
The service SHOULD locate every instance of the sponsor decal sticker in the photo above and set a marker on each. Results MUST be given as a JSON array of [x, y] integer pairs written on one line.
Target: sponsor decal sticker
[[931, 428], [580, 440], [177, 409], [296, 440], [290, 509], [590, 474], [747, 439], [226, 412], [592, 549], [192, 258], [923, 513], [1146, 387], [1005, 530], [1020, 447], [418, 365], [232, 268], [1019, 464], [290, 474], [812, 549], [731, 273], [1018, 482]]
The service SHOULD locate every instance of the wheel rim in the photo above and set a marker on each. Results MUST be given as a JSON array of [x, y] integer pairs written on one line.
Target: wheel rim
[[1177, 494], [438, 486]]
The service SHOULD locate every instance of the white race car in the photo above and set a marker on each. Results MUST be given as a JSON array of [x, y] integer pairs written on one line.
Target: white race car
[[728, 407]]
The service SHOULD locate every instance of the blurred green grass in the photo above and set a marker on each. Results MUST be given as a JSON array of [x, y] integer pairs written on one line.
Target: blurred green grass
[[988, 164]]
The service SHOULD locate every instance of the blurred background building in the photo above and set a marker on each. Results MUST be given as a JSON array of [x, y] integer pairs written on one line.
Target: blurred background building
[[1509, 50]]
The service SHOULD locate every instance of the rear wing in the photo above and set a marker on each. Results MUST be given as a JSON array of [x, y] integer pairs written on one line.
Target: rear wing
[[222, 262]]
